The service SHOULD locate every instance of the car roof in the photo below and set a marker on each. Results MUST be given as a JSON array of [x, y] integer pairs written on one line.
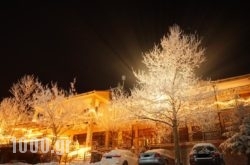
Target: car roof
[[163, 151], [154, 150], [204, 144], [119, 150]]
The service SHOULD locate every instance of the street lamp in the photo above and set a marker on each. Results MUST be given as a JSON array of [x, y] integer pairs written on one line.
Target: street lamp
[[123, 79]]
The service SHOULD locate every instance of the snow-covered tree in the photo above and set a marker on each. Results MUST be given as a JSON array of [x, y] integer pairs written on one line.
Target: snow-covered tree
[[23, 91], [115, 118], [163, 89], [10, 116], [238, 133], [17, 109], [239, 142], [56, 112]]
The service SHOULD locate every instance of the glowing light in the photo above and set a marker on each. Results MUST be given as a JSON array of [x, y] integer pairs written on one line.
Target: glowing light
[[80, 152], [33, 134], [233, 102]]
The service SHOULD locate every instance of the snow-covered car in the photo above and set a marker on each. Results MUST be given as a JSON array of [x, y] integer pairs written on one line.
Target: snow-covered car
[[205, 153], [156, 157], [119, 157]]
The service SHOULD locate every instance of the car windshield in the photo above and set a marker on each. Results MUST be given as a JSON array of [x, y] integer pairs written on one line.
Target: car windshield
[[155, 150], [199, 148], [168, 153]]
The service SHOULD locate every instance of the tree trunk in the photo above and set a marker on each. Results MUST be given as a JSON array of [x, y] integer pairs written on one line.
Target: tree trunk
[[248, 159], [176, 143]]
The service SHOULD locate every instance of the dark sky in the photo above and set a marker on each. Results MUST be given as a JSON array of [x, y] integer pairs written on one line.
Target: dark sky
[[97, 42]]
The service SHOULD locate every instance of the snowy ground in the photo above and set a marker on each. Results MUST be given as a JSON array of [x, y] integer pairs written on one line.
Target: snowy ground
[[80, 163], [55, 163]]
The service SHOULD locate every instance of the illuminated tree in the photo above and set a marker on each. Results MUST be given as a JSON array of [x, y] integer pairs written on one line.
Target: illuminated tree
[[115, 118], [163, 89], [10, 116], [23, 91], [238, 133], [17, 109], [55, 112]]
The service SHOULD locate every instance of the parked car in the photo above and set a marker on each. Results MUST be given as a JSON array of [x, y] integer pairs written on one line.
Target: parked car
[[156, 157], [119, 157], [205, 153], [7, 155]]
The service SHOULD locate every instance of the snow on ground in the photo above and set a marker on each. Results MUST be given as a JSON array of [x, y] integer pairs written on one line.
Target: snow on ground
[[55, 163], [20, 163]]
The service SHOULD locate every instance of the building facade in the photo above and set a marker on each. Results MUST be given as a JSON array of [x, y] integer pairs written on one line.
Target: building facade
[[100, 127]]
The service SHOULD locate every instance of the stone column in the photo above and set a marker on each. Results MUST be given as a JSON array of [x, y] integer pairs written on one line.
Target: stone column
[[119, 139], [136, 139], [107, 139], [89, 134], [190, 132]]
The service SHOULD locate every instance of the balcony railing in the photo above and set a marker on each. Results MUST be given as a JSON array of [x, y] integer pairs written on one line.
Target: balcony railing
[[201, 136], [198, 136]]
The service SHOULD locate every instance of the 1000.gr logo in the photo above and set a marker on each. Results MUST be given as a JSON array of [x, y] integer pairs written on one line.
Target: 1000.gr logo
[[40, 145]]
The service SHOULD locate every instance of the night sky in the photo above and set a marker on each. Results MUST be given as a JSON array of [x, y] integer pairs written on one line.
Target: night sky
[[98, 42]]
